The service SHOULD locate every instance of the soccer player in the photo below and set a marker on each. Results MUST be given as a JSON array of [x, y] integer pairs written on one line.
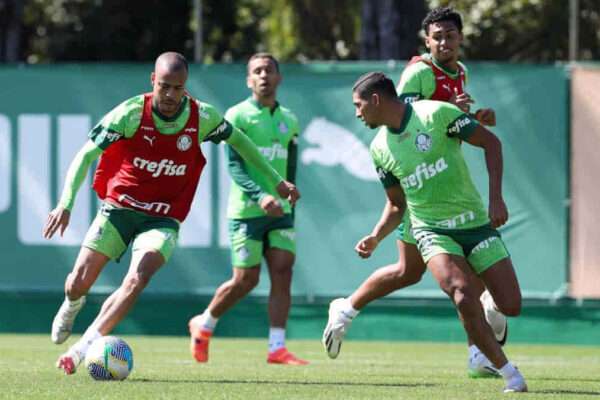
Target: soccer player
[[438, 75], [149, 168], [261, 223], [419, 161]]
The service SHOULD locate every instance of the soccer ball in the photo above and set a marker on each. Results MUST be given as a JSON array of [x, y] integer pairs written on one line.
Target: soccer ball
[[109, 358]]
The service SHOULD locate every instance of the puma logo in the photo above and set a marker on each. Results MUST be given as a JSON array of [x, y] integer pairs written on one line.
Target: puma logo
[[150, 139]]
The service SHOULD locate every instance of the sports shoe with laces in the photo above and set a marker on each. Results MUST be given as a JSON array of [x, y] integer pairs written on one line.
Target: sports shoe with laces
[[494, 318], [516, 384], [283, 356], [481, 367], [69, 361], [337, 326], [199, 339], [62, 325]]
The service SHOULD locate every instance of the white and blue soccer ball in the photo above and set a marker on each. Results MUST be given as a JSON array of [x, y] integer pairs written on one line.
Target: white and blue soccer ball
[[109, 358]]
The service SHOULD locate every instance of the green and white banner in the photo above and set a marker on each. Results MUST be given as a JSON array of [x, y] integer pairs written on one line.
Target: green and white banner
[[47, 111]]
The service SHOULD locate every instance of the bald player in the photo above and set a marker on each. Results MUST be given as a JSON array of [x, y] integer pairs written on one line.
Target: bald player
[[150, 165]]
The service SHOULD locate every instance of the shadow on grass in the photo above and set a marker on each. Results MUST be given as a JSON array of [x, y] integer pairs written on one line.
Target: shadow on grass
[[267, 382], [562, 392], [566, 379]]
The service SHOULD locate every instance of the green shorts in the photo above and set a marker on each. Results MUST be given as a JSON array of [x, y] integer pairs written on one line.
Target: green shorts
[[114, 228], [251, 236], [481, 246], [403, 231]]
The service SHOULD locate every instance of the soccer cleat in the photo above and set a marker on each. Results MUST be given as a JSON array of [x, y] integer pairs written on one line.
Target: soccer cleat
[[516, 384], [495, 318], [283, 356], [481, 367], [337, 326], [69, 361], [62, 325], [199, 340]]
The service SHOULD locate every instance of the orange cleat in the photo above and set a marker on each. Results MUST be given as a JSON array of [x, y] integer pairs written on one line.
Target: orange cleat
[[199, 339], [69, 362], [283, 356]]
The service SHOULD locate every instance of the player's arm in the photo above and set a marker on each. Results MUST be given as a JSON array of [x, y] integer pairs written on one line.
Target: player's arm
[[58, 219], [492, 147], [216, 129], [466, 128], [391, 215], [116, 125]]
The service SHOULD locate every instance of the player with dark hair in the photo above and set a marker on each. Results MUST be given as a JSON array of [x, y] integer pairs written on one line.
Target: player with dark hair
[[261, 223], [150, 165], [419, 160], [438, 75]]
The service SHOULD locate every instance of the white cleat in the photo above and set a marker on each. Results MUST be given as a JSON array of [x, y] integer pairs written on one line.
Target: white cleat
[[516, 384], [337, 326], [494, 318], [481, 367], [62, 325]]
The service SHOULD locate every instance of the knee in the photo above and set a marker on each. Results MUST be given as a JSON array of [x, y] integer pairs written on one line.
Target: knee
[[403, 275], [464, 298], [135, 283], [510, 307], [246, 282]]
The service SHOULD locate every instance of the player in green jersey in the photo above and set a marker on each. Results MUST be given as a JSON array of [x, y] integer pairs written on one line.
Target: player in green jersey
[[419, 160], [438, 75], [261, 223], [167, 112]]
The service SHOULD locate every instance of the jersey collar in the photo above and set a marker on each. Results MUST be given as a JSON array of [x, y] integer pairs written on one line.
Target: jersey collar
[[452, 74], [408, 110], [260, 106], [175, 116]]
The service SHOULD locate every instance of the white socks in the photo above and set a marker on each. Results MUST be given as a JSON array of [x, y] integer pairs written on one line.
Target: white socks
[[347, 310], [208, 321], [473, 351], [276, 339], [86, 340]]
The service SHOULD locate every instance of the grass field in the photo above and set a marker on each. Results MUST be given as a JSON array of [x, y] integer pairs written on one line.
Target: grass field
[[163, 369]]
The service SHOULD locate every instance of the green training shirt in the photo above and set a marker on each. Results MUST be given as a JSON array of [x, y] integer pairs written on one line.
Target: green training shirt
[[275, 133], [417, 81], [424, 157]]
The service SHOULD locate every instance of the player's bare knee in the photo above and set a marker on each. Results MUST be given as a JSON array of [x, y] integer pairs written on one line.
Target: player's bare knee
[[511, 307], [135, 283], [246, 282]]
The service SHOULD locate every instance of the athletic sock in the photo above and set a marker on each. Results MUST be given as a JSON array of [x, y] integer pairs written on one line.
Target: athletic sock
[[86, 340], [276, 339], [509, 371], [347, 310], [208, 321], [473, 350]]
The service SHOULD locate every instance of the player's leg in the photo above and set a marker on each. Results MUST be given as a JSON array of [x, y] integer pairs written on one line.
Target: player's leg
[[101, 243], [151, 248], [407, 271], [280, 256], [246, 256]]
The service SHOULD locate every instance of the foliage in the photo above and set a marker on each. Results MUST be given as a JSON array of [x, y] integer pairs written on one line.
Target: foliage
[[294, 30]]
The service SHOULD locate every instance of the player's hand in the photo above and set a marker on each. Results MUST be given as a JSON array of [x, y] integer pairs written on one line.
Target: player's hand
[[288, 191], [366, 246], [462, 101], [58, 219], [486, 116], [498, 212], [272, 206]]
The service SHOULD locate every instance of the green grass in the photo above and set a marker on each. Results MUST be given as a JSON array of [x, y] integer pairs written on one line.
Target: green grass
[[163, 369]]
